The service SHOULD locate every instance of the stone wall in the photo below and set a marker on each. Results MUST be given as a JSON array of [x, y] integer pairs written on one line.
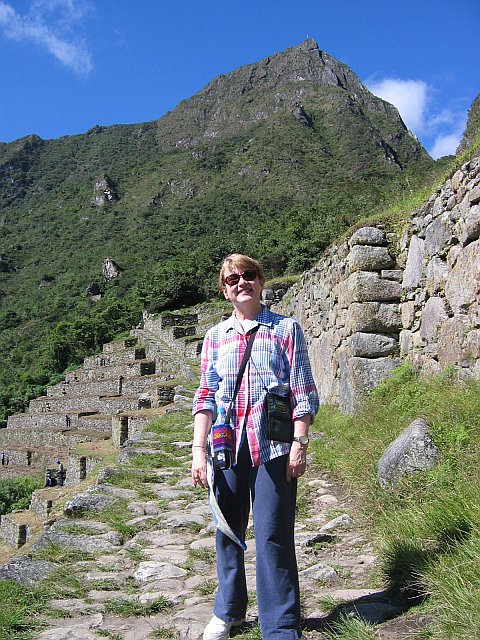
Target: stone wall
[[378, 299], [440, 252]]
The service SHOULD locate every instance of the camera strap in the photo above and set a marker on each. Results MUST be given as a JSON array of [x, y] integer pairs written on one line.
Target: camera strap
[[241, 371]]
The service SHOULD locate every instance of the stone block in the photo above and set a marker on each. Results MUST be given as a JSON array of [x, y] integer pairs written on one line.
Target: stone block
[[468, 227], [119, 430], [406, 342], [414, 268], [437, 275], [365, 286], [392, 274], [368, 258], [463, 286], [13, 533], [358, 375], [474, 196], [368, 236], [439, 235], [451, 341], [371, 345], [433, 316], [407, 313], [373, 317]]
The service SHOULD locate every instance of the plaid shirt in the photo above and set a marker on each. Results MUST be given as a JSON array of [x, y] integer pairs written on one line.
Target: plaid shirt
[[278, 362]]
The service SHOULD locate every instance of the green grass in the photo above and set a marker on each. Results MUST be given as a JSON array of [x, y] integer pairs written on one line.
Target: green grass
[[427, 528], [23, 609], [129, 607], [62, 555]]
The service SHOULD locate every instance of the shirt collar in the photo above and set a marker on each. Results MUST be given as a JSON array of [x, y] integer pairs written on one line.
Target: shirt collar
[[264, 317]]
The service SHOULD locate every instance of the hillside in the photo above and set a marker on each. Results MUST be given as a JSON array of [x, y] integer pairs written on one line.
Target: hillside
[[274, 159]]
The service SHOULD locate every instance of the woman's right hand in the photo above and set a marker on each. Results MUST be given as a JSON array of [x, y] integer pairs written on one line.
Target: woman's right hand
[[199, 467]]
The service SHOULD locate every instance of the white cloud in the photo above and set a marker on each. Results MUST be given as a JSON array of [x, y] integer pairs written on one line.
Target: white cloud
[[445, 145], [51, 24], [438, 127], [411, 98]]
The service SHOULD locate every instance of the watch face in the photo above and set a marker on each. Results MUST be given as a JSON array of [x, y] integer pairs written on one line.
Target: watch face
[[301, 439]]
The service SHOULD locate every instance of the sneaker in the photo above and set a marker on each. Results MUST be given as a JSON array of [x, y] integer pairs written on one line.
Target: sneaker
[[217, 629]]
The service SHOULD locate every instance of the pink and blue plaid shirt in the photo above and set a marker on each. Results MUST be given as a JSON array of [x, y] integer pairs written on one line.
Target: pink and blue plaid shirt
[[278, 362]]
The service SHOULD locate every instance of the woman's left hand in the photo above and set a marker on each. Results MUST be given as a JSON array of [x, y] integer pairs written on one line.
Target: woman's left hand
[[297, 461]]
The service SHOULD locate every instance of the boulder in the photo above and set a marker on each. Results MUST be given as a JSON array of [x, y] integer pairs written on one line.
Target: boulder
[[91, 501], [26, 571], [412, 451]]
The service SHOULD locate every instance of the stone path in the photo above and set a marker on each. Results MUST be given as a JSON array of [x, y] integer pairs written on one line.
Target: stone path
[[171, 557]]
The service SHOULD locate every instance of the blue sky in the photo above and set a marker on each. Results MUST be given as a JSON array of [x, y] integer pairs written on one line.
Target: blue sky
[[67, 65]]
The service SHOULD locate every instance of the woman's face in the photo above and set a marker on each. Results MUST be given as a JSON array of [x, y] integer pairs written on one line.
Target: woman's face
[[245, 290]]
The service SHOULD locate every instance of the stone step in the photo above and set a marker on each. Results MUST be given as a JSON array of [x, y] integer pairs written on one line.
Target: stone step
[[128, 369], [101, 404], [128, 386], [115, 357]]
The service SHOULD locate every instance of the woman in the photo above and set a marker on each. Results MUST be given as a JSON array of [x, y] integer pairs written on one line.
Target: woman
[[264, 471]]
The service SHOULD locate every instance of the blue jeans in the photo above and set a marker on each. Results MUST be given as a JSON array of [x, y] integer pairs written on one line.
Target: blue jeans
[[273, 504]]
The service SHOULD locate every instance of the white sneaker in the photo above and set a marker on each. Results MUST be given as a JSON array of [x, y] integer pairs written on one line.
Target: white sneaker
[[218, 629]]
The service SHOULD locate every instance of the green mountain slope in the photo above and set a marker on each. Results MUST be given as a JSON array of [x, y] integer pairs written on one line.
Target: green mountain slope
[[274, 159]]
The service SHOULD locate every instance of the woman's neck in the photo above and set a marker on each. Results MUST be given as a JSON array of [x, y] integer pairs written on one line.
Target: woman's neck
[[248, 312]]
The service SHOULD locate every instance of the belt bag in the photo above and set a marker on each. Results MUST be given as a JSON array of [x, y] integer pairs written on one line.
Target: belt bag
[[279, 417]]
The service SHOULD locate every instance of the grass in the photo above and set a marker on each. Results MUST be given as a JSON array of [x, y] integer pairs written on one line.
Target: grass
[[62, 555], [427, 528], [23, 609], [129, 607], [351, 629]]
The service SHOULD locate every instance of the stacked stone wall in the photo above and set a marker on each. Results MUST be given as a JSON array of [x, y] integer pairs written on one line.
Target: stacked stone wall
[[440, 251], [13, 533], [378, 299]]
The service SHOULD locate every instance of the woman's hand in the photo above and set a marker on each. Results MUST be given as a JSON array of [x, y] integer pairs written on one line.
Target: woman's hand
[[202, 424], [297, 461], [199, 467]]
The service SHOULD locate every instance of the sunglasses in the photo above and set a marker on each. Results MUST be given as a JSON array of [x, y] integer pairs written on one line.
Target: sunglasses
[[234, 278]]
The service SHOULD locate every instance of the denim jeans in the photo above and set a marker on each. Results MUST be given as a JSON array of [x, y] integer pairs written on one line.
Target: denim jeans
[[273, 503]]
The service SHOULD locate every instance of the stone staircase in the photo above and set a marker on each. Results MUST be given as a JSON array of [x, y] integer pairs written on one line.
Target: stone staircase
[[113, 396]]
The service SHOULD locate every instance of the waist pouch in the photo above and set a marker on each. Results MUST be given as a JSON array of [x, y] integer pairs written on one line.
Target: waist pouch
[[279, 417]]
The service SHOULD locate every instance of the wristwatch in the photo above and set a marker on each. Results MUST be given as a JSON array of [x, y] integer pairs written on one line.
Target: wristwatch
[[301, 439]]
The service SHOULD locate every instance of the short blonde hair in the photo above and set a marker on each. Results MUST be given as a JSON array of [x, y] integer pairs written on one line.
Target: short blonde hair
[[241, 263]]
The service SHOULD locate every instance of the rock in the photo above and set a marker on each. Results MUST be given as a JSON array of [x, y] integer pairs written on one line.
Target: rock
[[413, 274], [366, 258], [110, 270], [368, 236], [83, 628], [412, 451], [90, 544], [373, 317], [366, 286], [26, 571], [321, 572], [339, 523], [371, 345], [91, 501], [158, 571]]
